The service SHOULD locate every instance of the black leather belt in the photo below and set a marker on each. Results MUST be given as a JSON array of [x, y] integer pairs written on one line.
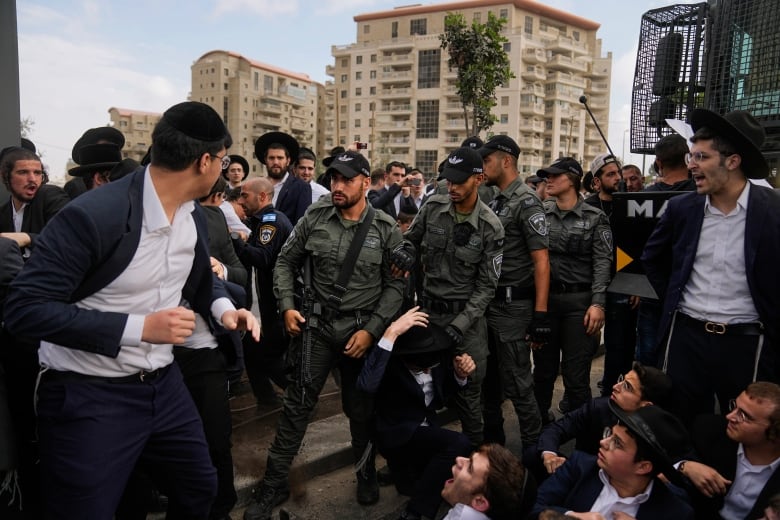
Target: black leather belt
[[360, 315], [561, 287], [714, 327], [138, 377], [510, 293], [444, 306]]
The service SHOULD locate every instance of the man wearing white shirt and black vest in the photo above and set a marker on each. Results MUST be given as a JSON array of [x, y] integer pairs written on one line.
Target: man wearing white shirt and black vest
[[103, 295], [712, 259]]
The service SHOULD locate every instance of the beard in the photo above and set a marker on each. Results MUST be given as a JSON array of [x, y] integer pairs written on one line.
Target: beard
[[276, 172], [346, 202]]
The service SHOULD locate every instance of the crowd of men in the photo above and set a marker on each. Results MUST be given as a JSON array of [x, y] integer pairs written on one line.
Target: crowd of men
[[124, 297]]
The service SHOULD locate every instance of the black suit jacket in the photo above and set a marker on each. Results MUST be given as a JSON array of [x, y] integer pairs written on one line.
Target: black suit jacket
[[221, 246], [585, 423], [48, 201], [294, 198], [671, 249], [383, 199], [714, 448]]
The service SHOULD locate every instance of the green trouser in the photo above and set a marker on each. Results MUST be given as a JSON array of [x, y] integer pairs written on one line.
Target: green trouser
[[507, 324], [326, 353], [468, 401]]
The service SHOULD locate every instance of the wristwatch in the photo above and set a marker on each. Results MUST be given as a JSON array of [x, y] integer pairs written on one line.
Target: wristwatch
[[234, 235]]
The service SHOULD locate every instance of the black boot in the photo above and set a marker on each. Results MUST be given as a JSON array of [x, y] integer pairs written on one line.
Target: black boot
[[367, 486], [264, 502]]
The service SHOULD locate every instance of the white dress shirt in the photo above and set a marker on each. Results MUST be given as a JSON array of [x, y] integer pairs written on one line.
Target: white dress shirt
[[609, 502], [278, 187], [317, 191], [18, 215], [152, 281], [234, 223], [717, 289], [747, 485]]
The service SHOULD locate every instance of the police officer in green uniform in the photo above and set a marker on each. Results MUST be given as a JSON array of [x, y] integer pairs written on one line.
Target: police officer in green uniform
[[517, 316], [580, 257], [348, 323], [460, 242]]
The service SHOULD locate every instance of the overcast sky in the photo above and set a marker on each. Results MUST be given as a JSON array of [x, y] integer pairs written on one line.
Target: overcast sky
[[78, 58]]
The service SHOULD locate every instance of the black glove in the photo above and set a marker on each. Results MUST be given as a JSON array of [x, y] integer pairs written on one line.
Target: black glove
[[403, 256], [540, 329], [455, 334]]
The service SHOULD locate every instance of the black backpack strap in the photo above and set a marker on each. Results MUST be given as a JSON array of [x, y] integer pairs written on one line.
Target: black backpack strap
[[340, 287]]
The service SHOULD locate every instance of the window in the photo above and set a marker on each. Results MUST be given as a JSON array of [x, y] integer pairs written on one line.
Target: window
[[477, 17], [418, 26], [372, 91], [257, 80], [529, 25], [358, 91], [227, 72], [268, 84], [358, 107], [429, 68], [343, 94], [359, 60], [373, 58], [507, 47], [366, 29], [503, 14], [343, 78], [343, 125], [357, 123], [425, 160], [358, 76], [504, 101], [394, 30], [372, 74], [371, 106], [504, 119], [345, 62], [343, 109], [575, 35], [225, 86], [428, 119]]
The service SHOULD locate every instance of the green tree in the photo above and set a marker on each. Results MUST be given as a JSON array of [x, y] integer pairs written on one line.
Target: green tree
[[477, 52]]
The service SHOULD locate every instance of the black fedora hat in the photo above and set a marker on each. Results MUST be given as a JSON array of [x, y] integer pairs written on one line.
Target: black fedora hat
[[334, 152], [286, 140], [97, 135], [662, 432], [235, 158], [123, 168], [97, 157], [743, 131], [422, 340]]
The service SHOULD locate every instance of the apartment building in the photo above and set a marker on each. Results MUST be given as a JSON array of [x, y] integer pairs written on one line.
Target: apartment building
[[254, 98], [393, 89], [137, 127]]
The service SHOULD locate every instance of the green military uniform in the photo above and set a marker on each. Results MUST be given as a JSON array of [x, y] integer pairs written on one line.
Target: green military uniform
[[460, 281], [509, 313], [371, 300], [486, 193], [580, 258]]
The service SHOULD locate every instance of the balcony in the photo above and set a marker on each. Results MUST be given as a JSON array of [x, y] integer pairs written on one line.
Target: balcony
[[453, 106], [404, 107], [456, 123], [534, 143], [330, 70], [401, 92], [566, 44], [396, 43], [536, 90], [534, 56], [600, 68], [406, 57], [565, 63], [598, 102], [533, 74], [396, 76], [598, 87], [531, 125], [592, 135], [535, 109], [403, 125], [566, 78]]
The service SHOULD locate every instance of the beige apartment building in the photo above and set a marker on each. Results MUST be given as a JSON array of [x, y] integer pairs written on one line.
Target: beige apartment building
[[254, 98], [137, 127], [394, 90]]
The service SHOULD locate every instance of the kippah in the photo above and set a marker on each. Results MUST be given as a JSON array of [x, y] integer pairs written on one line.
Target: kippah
[[196, 120]]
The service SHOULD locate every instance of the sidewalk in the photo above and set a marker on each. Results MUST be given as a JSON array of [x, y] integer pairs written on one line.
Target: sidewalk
[[322, 481]]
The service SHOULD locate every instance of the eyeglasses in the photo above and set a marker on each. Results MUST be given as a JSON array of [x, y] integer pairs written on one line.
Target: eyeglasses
[[740, 415], [697, 157], [423, 370], [614, 441], [625, 384], [225, 159]]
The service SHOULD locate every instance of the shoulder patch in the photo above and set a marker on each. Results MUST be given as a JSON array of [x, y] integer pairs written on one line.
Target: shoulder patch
[[269, 217], [497, 260], [606, 237], [528, 202], [266, 233], [538, 223]]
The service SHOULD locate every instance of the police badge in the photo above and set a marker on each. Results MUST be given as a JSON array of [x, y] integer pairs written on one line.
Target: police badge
[[538, 223], [266, 234]]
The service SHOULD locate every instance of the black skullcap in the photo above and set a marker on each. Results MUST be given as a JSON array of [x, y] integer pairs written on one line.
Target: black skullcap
[[196, 120]]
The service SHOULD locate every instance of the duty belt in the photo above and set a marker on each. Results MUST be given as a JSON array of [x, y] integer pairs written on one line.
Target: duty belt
[[360, 315], [510, 293], [563, 287], [444, 306], [714, 327], [139, 377]]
